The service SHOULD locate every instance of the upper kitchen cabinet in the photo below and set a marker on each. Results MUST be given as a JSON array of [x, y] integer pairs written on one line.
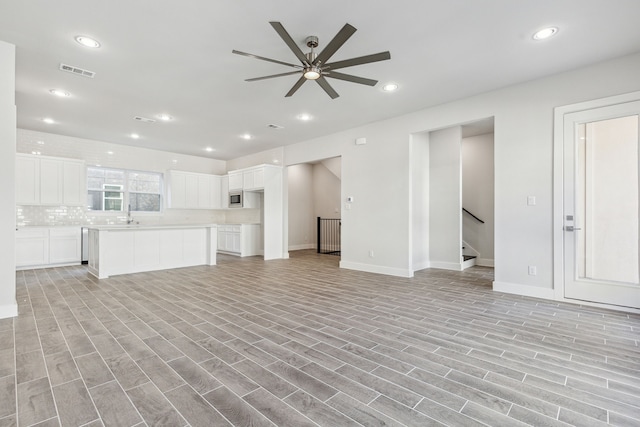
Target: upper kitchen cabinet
[[188, 190], [235, 180], [49, 181]]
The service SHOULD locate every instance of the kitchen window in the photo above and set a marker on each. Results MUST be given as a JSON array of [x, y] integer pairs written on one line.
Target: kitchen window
[[117, 190]]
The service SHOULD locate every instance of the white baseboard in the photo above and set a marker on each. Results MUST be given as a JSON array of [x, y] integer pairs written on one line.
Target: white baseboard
[[524, 290], [8, 310], [454, 266], [485, 262], [302, 247], [421, 266], [369, 268]]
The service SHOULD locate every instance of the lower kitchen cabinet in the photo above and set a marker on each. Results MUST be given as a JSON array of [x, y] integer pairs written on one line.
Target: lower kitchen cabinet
[[43, 246], [239, 239]]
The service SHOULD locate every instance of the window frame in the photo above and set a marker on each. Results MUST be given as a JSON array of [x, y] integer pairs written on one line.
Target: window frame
[[126, 192]]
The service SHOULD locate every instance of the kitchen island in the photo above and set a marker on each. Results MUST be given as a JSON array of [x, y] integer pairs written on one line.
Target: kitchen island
[[124, 249]]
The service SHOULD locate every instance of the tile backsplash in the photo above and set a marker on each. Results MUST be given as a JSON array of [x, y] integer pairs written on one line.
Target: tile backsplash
[[76, 215]]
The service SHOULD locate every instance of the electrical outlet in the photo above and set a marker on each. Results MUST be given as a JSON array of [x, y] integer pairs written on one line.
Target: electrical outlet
[[533, 270], [371, 253]]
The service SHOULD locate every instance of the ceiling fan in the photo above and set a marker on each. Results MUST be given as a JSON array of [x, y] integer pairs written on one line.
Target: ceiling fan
[[315, 66]]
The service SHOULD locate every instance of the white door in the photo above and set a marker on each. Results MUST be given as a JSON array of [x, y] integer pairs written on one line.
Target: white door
[[601, 159]]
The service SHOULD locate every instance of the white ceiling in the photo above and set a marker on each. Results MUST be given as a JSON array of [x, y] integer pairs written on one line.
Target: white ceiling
[[175, 57]]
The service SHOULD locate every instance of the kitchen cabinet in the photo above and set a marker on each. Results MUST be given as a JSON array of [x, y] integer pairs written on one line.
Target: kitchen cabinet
[[65, 245], [43, 246], [49, 181], [224, 192], [235, 180], [189, 190], [239, 239]]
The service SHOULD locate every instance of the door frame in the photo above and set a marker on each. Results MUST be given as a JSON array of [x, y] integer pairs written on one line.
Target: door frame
[[558, 190]]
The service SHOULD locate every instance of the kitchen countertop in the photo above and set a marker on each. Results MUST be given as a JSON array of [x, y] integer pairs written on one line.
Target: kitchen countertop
[[122, 227]]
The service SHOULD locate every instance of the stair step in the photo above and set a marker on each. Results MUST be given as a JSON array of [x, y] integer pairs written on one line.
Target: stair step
[[468, 257]]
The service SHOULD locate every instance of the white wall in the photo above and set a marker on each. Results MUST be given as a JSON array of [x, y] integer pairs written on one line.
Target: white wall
[[301, 225], [326, 191], [445, 198], [477, 195], [8, 305], [377, 174], [274, 156], [419, 227]]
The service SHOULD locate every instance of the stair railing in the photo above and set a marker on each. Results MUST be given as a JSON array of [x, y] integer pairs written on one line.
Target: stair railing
[[472, 215]]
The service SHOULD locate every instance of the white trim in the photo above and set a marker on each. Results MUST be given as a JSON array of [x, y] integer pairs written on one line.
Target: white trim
[[524, 290], [485, 262], [302, 247], [421, 266], [558, 182], [454, 266], [8, 310], [369, 268]]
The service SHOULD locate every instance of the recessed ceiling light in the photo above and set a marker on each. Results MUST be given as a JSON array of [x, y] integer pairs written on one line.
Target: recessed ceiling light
[[304, 117], [165, 117], [48, 120], [209, 149], [174, 161], [246, 136], [276, 161], [87, 41], [134, 136], [390, 87], [37, 153], [109, 152], [59, 92], [545, 33], [40, 142]]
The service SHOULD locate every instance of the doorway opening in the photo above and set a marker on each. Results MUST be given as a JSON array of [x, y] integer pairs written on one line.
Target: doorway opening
[[314, 192]]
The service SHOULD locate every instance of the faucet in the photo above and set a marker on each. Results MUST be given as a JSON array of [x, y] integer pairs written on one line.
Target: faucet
[[129, 217]]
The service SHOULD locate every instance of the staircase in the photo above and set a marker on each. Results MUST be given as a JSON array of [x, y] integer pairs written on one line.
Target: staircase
[[468, 260]]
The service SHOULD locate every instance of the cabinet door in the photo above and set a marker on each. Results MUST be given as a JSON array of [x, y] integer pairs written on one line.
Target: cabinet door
[[229, 242], [247, 180], [65, 245], [191, 190], [235, 239], [235, 181], [258, 178], [177, 190], [73, 183], [204, 192], [215, 193], [222, 240], [51, 182], [27, 180], [32, 247], [224, 192]]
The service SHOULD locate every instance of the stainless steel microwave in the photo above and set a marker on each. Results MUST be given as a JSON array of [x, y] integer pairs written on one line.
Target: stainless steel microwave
[[235, 199]]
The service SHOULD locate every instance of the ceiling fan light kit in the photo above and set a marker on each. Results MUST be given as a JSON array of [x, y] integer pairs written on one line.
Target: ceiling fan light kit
[[315, 67]]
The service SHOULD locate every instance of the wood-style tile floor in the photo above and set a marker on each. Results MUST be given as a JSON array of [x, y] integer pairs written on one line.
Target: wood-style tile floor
[[300, 342]]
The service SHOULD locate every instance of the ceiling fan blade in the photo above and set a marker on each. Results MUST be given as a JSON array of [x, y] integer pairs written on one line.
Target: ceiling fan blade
[[350, 78], [255, 79], [335, 44], [296, 86], [289, 41], [250, 55], [327, 87], [382, 56]]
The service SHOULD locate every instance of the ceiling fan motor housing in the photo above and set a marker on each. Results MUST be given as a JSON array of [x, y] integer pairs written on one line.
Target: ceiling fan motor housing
[[311, 41]]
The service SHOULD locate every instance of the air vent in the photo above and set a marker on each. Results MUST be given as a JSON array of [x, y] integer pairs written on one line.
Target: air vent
[[272, 126], [144, 119], [76, 70]]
